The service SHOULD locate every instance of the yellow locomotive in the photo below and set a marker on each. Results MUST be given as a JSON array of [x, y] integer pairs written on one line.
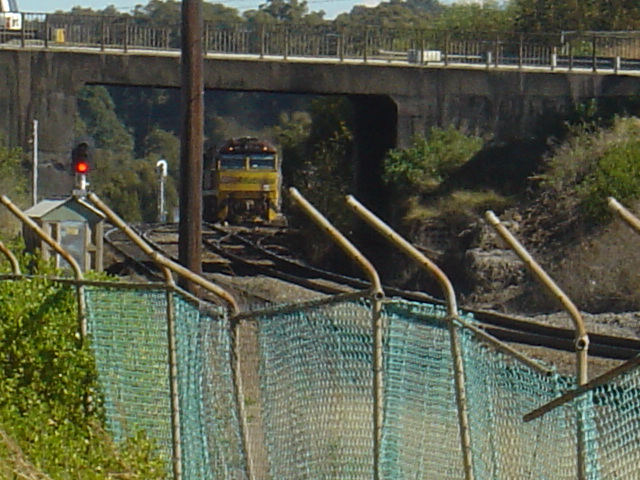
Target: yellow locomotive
[[242, 183]]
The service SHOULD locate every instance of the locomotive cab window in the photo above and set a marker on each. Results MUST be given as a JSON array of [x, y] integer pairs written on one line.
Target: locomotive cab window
[[263, 162], [232, 162]]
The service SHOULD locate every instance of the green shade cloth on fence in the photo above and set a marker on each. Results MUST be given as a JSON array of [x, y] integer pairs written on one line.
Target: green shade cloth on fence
[[315, 402]]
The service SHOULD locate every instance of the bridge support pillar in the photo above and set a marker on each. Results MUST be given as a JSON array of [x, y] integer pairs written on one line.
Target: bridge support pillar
[[33, 89]]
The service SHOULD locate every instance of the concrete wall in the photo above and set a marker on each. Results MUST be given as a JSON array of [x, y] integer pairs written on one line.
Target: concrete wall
[[391, 102]]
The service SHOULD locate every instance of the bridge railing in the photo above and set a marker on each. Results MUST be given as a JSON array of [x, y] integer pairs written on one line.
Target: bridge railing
[[567, 50]]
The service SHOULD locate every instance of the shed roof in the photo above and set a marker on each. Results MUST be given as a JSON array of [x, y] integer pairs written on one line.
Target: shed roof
[[45, 208]]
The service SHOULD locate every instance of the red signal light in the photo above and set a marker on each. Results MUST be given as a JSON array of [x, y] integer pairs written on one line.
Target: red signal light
[[81, 167]]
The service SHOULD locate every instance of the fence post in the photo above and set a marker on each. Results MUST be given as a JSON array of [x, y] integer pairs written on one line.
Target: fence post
[[46, 30], [206, 38], [15, 265], [447, 41], [126, 34], [366, 44], [376, 295], [262, 33], [341, 45], [570, 55], [102, 33], [616, 64], [594, 55], [172, 358], [554, 58], [23, 31], [286, 42], [520, 51]]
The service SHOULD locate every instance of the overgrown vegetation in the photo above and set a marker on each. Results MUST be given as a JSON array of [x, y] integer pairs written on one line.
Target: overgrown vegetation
[[423, 167], [317, 148], [13, 184], [568, 223], [48, 430], [419, 174], [593, 164]]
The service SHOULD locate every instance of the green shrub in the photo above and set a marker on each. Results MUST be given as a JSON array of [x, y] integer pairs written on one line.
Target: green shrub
[[594, 165], [421, 168], [47, 424], [616, 174]]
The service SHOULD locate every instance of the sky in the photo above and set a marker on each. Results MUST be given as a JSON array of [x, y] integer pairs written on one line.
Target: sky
[[332, 8]]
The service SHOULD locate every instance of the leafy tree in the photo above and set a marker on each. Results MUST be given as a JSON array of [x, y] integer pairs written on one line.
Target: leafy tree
[[282, 11], [490, 16], [97, 111], [593, 164], [317, 151], [127, 183], [393, 14], [159, 13], [574, 15], [285, 11]]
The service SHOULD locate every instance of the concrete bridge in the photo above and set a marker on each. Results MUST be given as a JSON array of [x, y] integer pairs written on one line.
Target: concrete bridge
[[394, 96]]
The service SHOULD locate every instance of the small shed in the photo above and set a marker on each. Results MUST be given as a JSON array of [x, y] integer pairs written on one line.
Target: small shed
[[73, 223]]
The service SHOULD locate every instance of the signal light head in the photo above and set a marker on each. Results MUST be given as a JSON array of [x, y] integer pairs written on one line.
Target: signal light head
[[81, 167]]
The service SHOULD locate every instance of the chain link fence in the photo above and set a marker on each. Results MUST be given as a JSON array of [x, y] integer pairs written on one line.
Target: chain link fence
[[307, 388]]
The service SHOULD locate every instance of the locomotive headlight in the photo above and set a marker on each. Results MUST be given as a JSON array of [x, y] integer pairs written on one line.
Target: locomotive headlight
[[266, 187]]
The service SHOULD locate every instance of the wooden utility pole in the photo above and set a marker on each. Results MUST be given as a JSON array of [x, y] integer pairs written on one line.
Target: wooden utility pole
[[191, 149]]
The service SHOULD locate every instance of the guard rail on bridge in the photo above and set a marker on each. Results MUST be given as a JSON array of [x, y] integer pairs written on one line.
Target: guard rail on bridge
[[608, 51]]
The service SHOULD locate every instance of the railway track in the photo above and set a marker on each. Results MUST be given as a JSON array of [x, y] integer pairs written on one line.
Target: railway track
[[268, 251]]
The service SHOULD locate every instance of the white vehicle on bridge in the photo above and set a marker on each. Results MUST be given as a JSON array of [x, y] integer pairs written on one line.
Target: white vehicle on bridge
[[10, 17]]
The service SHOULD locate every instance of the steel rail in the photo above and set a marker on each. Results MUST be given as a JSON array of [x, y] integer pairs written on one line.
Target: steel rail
[[504, 327]]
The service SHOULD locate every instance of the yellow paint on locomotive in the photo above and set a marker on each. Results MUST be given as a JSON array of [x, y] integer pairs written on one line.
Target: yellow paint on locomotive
[[244, 187], [257, 192]]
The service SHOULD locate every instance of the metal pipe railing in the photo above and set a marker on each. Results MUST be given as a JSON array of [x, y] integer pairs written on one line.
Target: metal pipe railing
[[341, 241], [582, 337], [167, 266], [452, 310], [628, 217]]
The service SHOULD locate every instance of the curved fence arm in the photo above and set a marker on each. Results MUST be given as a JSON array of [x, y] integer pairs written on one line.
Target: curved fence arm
[[582, 337], [162, 260], [413, 252], [15, 265], [377, 294], [628, 217], [341, 241]]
